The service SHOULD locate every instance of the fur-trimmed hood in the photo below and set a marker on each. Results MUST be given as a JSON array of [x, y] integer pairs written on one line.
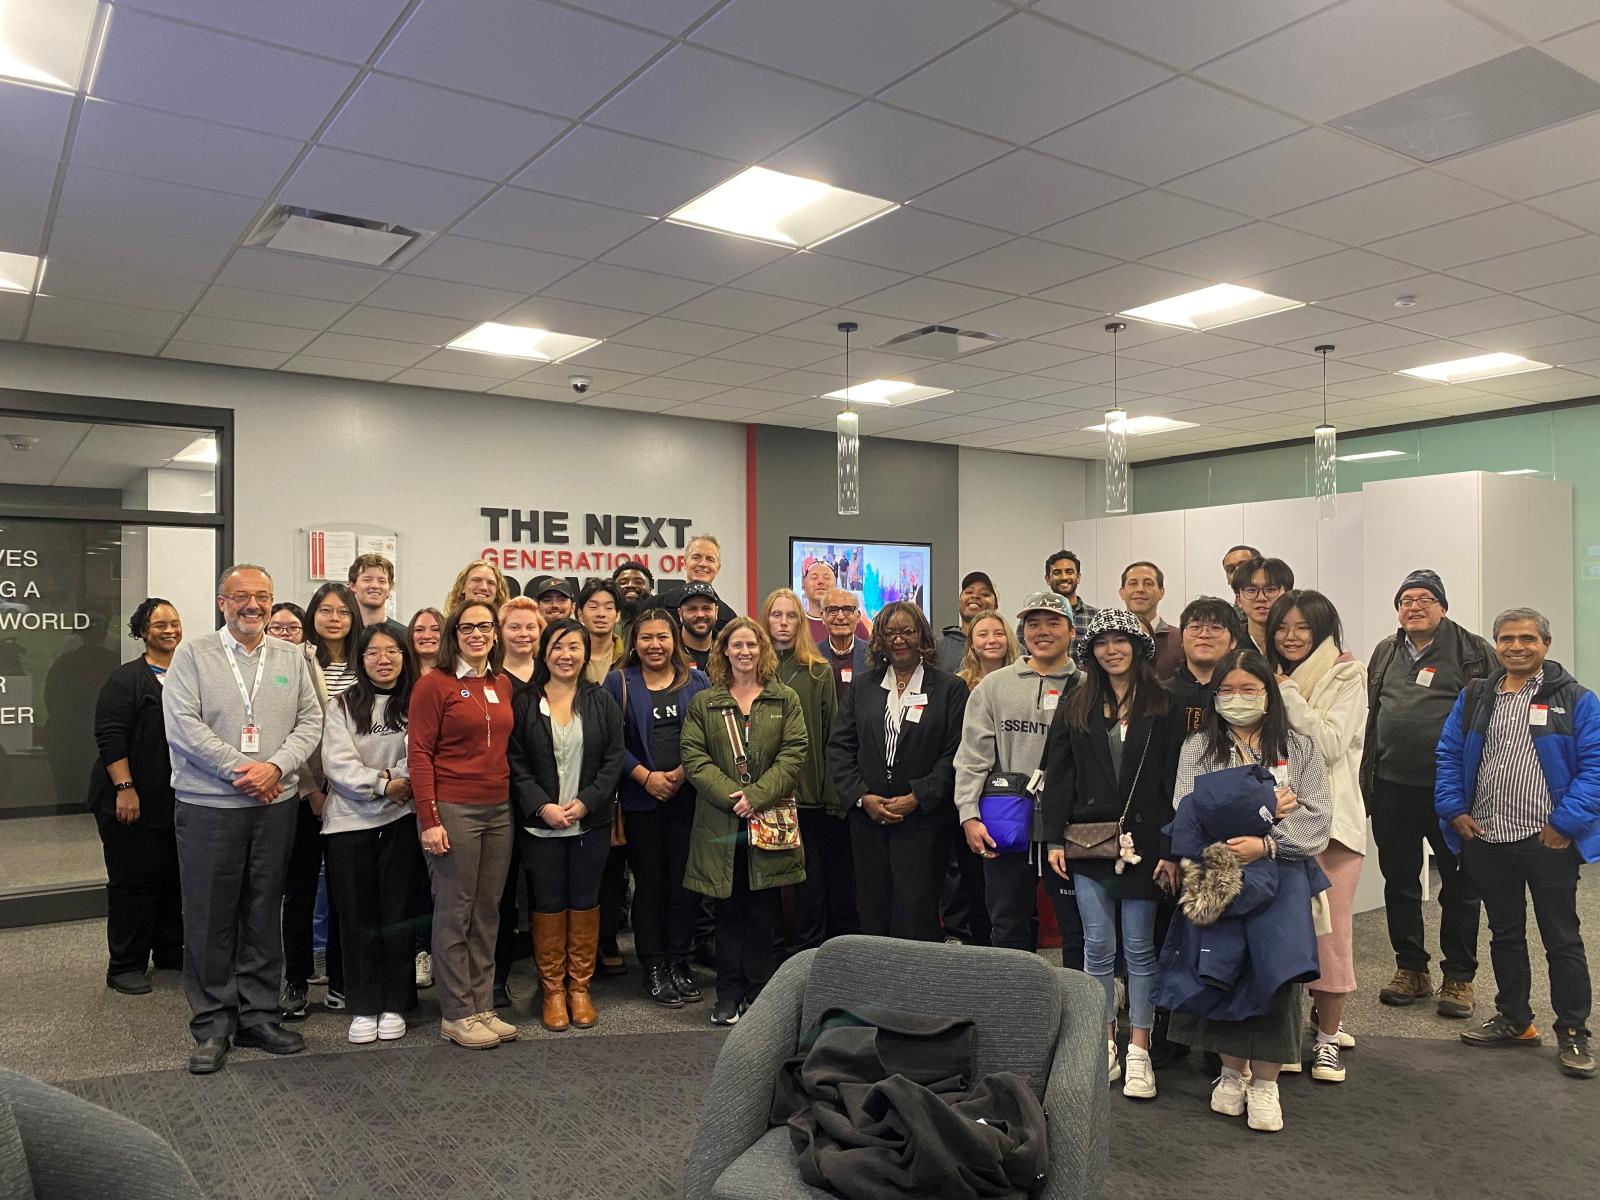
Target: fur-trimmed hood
[[1211, 884]]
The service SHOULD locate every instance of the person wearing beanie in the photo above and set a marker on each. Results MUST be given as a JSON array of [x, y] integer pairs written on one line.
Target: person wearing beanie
[[977, 594], [1413, 679]]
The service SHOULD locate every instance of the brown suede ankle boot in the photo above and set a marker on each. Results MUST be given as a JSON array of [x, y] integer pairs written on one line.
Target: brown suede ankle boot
[[550, 957], [583, 944]]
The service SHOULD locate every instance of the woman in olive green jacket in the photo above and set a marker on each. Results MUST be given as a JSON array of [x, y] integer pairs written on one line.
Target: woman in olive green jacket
[[743, 881]]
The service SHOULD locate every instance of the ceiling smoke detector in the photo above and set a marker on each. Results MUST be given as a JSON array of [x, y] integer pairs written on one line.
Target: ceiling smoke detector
[[21, 442], [331, 235], [942, 341]]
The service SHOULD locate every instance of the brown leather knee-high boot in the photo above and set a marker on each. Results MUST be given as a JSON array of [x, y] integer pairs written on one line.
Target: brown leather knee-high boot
[[583, 944], [550, 956]]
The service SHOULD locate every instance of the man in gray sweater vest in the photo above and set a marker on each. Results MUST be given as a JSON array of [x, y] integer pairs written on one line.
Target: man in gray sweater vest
[[242, 717]]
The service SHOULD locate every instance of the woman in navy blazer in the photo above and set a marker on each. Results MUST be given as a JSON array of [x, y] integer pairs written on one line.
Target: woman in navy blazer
[[892, 755], [653, 689]]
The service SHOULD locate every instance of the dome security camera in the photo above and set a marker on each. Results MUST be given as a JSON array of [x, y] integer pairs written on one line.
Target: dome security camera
[[580, 383]]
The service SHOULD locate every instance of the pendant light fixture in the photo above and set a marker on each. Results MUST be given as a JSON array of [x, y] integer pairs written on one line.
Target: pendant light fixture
[[848, 427], [1325, 467], [1116, 436]]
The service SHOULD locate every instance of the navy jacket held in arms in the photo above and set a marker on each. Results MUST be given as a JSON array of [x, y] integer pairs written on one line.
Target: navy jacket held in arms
[[1240, 933]]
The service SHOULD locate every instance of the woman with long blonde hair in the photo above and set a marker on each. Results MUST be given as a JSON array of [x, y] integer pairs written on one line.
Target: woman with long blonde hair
[[995, 649]]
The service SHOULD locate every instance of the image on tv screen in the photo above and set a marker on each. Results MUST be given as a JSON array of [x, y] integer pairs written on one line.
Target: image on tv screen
[[878, 573]]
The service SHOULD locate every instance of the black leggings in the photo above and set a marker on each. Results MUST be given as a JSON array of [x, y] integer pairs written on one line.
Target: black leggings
[[564, 872], [664, 911]]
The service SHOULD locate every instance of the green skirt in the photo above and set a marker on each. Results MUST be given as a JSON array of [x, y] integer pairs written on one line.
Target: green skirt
[[1274, 1036]]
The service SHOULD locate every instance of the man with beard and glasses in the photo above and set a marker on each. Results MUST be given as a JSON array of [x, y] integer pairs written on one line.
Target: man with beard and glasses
[[635, 585], [698, 606]]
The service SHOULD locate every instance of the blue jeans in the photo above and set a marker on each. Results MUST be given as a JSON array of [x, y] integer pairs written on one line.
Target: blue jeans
[[1099, 912]]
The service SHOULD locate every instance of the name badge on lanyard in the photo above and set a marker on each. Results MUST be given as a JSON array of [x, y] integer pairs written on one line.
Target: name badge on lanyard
[[250, 738], [250, 731]]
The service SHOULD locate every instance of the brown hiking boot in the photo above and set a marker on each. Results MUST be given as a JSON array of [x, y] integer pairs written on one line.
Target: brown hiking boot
[[1455, 998], [1405, 987]]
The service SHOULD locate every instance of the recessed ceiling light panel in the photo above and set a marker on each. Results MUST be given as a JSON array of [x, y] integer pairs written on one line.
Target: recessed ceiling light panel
[[1212, 307], [46, 42], [885, 391], [1373, 455], [18, 272], [521, 341], [1469, 370], [770, 206], [1143, 426]]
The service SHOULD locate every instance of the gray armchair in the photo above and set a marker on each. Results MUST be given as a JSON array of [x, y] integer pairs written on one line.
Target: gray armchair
[[55, 1146], [1044, 1023]]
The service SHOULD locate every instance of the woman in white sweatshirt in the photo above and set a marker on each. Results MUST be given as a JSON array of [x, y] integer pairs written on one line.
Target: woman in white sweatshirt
[[371, 835], [1325, 697]]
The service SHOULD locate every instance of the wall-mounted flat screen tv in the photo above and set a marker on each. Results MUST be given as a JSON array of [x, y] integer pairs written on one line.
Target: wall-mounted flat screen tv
[[878, 573]]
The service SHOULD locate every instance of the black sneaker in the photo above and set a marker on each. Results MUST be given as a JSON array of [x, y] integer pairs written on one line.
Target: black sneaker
[[725, 1012], [295, 1002], [1501, 1030], [683, 979], [334, 1000], [1574, 1056]]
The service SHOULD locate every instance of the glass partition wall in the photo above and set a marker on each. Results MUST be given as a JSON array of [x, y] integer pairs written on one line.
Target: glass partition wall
[[102, 503]]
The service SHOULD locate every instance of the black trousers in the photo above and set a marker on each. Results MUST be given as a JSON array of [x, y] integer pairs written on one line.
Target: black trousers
[[963, 908], [1064, 902], [664, 911], [564, 872], [1507, 873], [370, 872], [1402, 820], [1011, 885], [745, 924], [144, 906], [505, 942], [300, 905], [899, 871], [232, 862], [825, 905], [613, 895]]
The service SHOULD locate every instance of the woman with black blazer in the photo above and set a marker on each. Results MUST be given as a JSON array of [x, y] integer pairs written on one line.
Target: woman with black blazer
[[892, 754], [566, 761], [130, 794], [1111, 760]]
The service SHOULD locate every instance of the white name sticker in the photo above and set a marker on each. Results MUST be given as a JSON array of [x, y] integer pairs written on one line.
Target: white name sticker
[[847, 674], [491, 696], [1539, 714], [1280, 773], [913, 714], [913, 698], [1051, 700], [1425, 677]]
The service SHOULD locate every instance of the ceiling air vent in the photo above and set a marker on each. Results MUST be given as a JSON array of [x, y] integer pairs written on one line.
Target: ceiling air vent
[[942, 341], [331, 235]]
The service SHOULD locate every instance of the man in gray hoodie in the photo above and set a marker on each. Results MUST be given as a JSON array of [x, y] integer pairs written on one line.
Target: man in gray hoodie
[[1008, 717], [242, 717]]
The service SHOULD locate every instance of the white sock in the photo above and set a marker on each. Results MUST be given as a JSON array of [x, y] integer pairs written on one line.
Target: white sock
[[1264, 1085], [1327, 1039]]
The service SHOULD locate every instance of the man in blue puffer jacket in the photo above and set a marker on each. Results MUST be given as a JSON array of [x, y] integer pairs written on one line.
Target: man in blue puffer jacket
[[1518, 798]]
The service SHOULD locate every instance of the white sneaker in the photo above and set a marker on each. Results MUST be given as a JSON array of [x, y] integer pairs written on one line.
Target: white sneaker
[[1265, 1113], [391, 1027], [424, 969], [1347, 1041], [1325, 1064], [363, 1030], [1228, 1096], [1116, 1067], [1140, 1079], [1292, 1068]]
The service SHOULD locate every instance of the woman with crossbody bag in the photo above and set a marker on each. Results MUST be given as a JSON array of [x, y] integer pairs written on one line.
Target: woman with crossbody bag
[[1111, 765], [743, 746]]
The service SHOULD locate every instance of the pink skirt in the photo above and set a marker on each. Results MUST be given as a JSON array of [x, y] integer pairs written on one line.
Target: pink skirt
[[1336, 949]]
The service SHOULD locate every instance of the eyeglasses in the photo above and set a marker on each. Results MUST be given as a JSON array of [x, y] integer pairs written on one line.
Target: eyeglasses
[[1266, 591], [380, 655], [333, 612], [1422, 603], [1205, 629], [899, 635], [240, 599], [838, 610], [282, 630], [1248, 693], [481, 627]]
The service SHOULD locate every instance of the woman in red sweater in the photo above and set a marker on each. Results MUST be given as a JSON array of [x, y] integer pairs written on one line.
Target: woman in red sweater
[[460, 723]]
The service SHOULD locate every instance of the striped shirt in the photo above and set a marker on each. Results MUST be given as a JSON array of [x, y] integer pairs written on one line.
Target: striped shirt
[[1512, 800], [339, 676], [894, 710]]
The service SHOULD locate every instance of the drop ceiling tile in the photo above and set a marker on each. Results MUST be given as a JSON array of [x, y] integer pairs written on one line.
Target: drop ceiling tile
[[859, 47], [374, 188], [108, 246], [243, 335], [691, 253], [227, 356], [1364, 339], [447, 131], [1122, 287], [717, 370], [14, 310], [681, 390], [1023, 191], [158, 145], [351, 29], [35, 120], [454, 381], [1091, 336], [643, 404], [1036, 76], [467, 362], [310, 364], [1013, 387], [1023, 318], [1311, 322], [911, 240], [367, 321], [884, 152], [1562, 156], [1260, 361], [1143, 224], [519, 51], [1416, 355], [668, 16], [1579, 205], [1580, 49], [749, 311], [1173, 129], [874, 330], [179, 68], [637, 360], [770, 351], [554, 223], [1524, 336], [928, 301], [680, 337], [1228, 391], [1354, 54], [368, 350], [1308, 377], [487, 264], [706, 102], [22, 230], [1240, 253], [1526, 269], [1427, 292], [558, 374], [952, 427], [625, 172], [707, 410], [1182, 348], [440, 298], [819, 279], [137, 288], [804, 383], [26, 183], [1470, 239], [1390, 207], [567, 316], [1331, 275], [1575, 295], [1182, 34], [108, 318], [1289, 173], [1025, 265], [92, 339], [957, 376], [153, 206]]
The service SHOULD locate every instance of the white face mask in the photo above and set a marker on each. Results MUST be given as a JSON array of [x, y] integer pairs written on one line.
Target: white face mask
[[1242, 710]]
